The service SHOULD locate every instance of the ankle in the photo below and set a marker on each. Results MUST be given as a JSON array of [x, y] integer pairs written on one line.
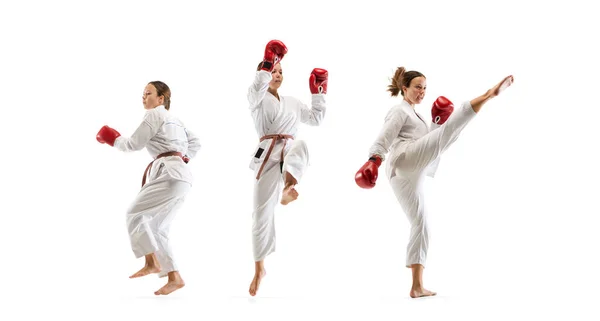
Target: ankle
[[417, 286], [174, 276], [151, 265], [259, 270], [491, 93]]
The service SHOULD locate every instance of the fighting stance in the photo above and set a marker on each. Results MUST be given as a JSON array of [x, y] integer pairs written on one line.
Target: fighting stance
[[279, 161], [415, 149], [165, 183]]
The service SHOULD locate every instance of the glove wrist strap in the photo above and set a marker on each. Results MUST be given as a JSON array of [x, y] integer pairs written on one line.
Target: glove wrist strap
[[267, 66], [375, 159]]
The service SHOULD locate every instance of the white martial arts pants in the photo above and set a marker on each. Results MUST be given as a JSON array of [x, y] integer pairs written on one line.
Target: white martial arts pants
[[151, 214], [267, 194], [410, 169]]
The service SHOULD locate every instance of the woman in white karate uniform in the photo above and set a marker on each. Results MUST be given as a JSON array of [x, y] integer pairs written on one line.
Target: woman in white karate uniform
[[279, 161], [165, 183], [414, 147]]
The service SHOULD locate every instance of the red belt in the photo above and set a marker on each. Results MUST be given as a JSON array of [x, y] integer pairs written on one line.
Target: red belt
[[275, 138], [157, 157]]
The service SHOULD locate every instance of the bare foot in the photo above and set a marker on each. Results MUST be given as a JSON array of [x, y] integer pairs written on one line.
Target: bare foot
[[289, 195], [505, 83], [147, 269], [256, 282], [478, 102], [421, 292], [171, 286]]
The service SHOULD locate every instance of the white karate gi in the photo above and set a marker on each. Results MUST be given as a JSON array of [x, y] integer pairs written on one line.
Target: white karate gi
[[272, 117], [415, 149], [168, 181]]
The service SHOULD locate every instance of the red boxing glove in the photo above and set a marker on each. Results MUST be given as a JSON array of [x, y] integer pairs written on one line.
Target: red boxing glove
[[107, 135], [318, 81], [367, 174], [274, 52], [442, 109]]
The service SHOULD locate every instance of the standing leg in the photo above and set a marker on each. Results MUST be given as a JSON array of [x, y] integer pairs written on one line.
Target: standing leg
[[141, 236], [266, 197], [408, 178], [161, 226], [419, 154], [294, 166], [409, 192]]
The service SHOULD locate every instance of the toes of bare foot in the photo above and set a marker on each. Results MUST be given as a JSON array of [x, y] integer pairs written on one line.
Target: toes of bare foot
[[289, 195], [255, 283], [169, 288], [505, 84], [421, 293], [254, 286], [145, 271]]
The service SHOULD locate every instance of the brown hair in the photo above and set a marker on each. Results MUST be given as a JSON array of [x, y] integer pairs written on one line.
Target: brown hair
[[162, 90], [260, 64], [402, 78]]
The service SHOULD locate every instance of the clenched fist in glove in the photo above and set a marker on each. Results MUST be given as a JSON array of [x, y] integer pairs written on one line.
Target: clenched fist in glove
[[367, 174], [318, 81], [442, 109], [107, 135], [274, 52]]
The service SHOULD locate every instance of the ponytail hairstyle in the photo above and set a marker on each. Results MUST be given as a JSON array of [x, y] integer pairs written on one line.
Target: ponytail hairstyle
[[402, 78], [163, 90]]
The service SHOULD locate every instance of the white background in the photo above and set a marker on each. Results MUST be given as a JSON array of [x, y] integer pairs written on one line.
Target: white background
[[513, 206]]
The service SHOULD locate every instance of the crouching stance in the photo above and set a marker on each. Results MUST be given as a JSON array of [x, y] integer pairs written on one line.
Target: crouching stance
[[166, 182]]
